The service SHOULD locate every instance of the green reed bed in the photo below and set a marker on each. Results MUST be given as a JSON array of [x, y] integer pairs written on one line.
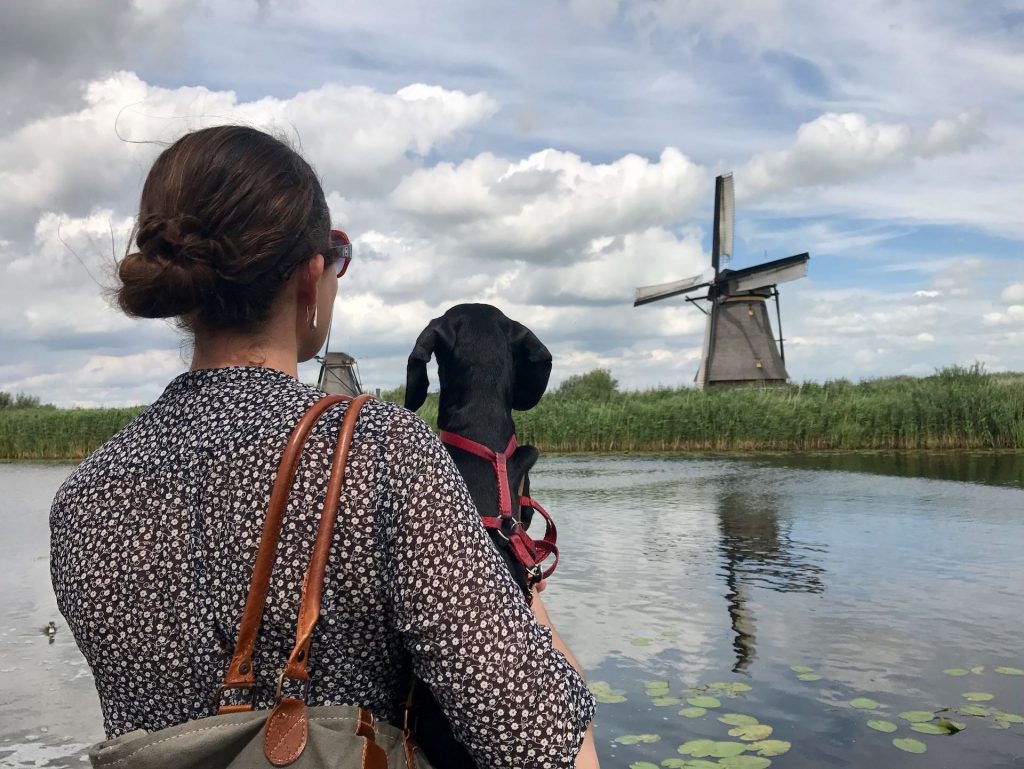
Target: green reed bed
[[49, 433], [958, 408]]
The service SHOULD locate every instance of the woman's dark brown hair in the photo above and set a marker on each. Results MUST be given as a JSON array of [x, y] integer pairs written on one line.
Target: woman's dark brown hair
[[227, 215]]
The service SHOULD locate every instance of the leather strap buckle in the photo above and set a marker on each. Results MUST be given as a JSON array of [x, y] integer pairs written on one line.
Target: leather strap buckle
[[280, 686]]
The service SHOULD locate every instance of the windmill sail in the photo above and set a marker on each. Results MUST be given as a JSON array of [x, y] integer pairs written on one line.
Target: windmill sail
[[646, 294], [765, 275], [725, 210]]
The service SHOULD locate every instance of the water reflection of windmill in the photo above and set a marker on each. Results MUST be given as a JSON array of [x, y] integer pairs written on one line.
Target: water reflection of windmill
[[739, 346], [757, 551]]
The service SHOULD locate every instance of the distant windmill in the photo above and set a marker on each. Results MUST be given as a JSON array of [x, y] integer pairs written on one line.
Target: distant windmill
[[339, 373], [739, 347]]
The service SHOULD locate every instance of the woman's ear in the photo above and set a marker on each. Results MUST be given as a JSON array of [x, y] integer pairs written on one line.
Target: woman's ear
[[532, 367], [308, 277]]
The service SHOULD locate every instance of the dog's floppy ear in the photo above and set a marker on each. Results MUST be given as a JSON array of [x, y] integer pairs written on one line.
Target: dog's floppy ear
[[532, 367], [416, 369]]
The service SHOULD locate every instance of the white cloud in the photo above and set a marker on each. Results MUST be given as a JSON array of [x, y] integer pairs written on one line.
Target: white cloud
[[549, 206], [834, 148], [1013, 294], [1010, 316], [358, 138]]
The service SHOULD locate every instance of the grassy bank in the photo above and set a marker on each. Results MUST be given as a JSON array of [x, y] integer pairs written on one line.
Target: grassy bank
[[48, 433], [956, 409]]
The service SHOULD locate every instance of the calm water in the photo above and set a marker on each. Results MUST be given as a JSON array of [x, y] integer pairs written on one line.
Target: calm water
[[876, 572]]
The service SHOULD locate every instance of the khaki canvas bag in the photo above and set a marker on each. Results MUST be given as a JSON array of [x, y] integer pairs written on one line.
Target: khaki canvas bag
[[291, 734]]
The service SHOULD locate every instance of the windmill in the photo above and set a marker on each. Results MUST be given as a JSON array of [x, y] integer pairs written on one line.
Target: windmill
[[339, 374], [739, 346]]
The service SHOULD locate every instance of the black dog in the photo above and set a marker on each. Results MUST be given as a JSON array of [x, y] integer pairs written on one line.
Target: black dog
[[489, 366]]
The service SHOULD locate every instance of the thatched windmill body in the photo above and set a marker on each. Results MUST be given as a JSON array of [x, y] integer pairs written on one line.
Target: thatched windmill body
[[739, 346], [339, 374]]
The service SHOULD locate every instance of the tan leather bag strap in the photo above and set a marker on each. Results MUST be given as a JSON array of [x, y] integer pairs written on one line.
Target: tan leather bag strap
[[288, 723], [313, 584], [240, 674]]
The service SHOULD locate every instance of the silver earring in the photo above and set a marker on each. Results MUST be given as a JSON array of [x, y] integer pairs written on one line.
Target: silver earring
[[312, 323]]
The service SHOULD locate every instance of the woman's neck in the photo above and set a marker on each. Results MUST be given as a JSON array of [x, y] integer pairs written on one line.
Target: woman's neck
[[274, 347]]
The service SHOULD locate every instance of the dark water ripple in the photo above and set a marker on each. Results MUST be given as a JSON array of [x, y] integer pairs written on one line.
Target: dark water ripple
[[877, 571]]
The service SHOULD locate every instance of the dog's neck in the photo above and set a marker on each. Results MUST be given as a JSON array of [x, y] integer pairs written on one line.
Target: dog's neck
[[484, 420]]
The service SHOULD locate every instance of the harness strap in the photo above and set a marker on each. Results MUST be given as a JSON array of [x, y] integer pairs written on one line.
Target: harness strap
[[528, 551], [546, 545], [499, 461]]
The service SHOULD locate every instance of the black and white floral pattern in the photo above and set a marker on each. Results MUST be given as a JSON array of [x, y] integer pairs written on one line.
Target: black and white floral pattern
[[154, 537]]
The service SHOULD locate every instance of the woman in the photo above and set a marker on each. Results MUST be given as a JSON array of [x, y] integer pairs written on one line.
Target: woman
[[154, 536]]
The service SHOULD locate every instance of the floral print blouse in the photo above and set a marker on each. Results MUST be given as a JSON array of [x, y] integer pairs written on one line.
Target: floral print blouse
[[155, 535]]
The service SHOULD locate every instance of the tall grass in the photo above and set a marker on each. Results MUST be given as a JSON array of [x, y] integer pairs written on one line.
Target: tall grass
[[958, 408], [48, 433]]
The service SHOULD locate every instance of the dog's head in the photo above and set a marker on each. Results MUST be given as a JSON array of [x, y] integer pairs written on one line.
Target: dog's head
[[479, 349]]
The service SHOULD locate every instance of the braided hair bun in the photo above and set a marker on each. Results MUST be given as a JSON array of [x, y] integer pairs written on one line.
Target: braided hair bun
[[227, 215]]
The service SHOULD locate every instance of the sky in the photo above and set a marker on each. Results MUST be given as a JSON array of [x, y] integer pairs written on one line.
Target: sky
[[543, 156]]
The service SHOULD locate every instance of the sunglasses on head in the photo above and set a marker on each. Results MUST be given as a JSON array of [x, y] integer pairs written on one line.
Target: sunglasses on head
[[339, 251]]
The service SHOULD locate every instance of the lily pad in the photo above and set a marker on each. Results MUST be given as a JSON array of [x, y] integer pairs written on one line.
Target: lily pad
[[917, 716], [864, 703], [744, 762], [809, 677], [641, 641], [693, 712], [929, 728], [976, 710], [670, 634], [727, 749], [737, 719], [801, 669], [1010, 718], [978, 670], [770, 747], [689, 763], [1010, 671], [597, 686], [910, 745], [752, 732], [664, 702], [705, 701], [978, 696], [881, 725], [956, 672], [697, 748], [643, 765], [655, 685], [633, 739], [607, 698], [705, 748]]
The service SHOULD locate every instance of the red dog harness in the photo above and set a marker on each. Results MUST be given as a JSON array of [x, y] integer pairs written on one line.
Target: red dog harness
[[528, 551]]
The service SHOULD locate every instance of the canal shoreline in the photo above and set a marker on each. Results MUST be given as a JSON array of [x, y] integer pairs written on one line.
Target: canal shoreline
[[957, 409]]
